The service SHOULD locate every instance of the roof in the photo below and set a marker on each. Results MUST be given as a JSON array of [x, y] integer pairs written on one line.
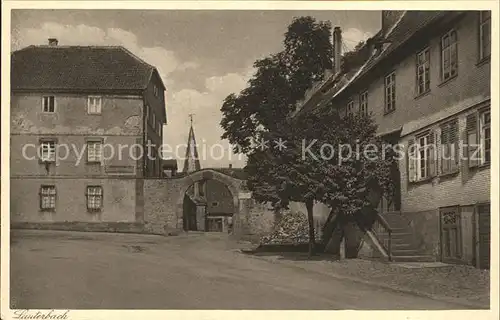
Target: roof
[[191, 161], [86, 68], [448, 111], [403, 30], [408, 25]]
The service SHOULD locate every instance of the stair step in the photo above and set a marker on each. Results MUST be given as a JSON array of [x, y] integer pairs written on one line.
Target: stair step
[[396, 235], [414, 258], [402, 245], [404, 252]]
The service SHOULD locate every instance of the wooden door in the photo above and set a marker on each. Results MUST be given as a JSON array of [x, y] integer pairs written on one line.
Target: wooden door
[[451, 237]]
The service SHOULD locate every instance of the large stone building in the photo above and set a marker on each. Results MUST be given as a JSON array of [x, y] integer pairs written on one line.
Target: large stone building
[[86, 126], [425, 79], [80, 116]]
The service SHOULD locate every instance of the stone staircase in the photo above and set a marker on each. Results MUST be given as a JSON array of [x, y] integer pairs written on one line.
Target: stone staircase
[[404, 247]]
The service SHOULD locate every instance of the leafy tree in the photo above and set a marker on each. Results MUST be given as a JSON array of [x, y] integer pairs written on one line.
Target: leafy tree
[[280, 175], [280, 81]]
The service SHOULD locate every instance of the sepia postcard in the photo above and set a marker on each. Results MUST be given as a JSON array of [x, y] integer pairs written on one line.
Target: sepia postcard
[[249, 159]]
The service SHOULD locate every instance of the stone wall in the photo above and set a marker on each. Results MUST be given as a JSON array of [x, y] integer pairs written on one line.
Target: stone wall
[[261, 219], [160, 204]]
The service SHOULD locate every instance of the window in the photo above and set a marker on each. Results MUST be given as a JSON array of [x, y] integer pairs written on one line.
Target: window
[[390, 92], [421, 157], [478, 127], [484, 34], [48, 151], [485, 133], [363, 103], [423, 64], [153, 123], [49, 104], [94, 198], [94, 151], [147, 112], [48, 198], [449, 147], [215, 204], [350, 107], [94, 105], [155, 90], [449, 55]]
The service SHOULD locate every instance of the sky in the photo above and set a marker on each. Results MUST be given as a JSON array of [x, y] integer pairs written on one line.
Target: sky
[[202, 55]]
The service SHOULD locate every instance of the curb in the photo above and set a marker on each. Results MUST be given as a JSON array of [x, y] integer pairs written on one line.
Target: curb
[[457, 301]]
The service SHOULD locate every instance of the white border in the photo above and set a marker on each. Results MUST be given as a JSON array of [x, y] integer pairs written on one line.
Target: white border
[[6, 313]]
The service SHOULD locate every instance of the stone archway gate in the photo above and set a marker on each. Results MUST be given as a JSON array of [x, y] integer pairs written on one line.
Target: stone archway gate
[[163, 201]]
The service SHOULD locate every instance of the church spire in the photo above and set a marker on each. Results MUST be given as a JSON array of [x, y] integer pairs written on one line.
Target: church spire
[[191, 161]]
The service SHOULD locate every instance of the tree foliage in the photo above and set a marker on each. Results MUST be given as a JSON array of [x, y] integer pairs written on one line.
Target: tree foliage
[[309, 164], [279, 82]]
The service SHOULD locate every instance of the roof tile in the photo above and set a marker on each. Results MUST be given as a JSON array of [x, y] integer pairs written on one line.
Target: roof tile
[[78, 68]]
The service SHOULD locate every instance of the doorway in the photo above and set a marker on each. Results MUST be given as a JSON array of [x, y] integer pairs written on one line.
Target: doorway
[[451, 237]]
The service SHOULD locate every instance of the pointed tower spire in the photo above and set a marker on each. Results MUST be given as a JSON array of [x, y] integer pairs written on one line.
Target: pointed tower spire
[[191, 161]]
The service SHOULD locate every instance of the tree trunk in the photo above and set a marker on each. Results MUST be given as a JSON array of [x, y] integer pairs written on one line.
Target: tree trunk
[[310, 219]]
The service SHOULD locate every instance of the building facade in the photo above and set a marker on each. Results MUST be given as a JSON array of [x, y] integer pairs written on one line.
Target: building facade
[[426, 81], [81, 118]]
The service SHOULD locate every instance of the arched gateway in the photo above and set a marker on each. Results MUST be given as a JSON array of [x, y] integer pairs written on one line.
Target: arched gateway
[[163, 207]]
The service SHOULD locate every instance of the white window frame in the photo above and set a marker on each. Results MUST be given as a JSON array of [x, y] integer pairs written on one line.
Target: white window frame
[[94, 151], [484, 24], [422, 148], [94, 198], [94, 105], [48, 150], [46, 100], [423, 71], [48, 197], [363, 103], [420, 158], [483, 126], [448, 49], [390, 92], [350, 107]]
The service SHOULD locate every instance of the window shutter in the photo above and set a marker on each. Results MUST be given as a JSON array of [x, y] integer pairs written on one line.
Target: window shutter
[[412, 161], [444, 148], [472, 140], [453, 140], [431, 147]]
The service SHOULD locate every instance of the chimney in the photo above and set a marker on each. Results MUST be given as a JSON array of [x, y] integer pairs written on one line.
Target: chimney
[[53, 42], [230, 166], [337, 48]]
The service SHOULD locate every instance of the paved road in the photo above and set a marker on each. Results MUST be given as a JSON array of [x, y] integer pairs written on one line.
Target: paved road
[[69, 270]]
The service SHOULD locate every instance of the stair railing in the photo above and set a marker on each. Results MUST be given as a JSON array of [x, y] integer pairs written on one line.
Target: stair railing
[[382, 226]]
